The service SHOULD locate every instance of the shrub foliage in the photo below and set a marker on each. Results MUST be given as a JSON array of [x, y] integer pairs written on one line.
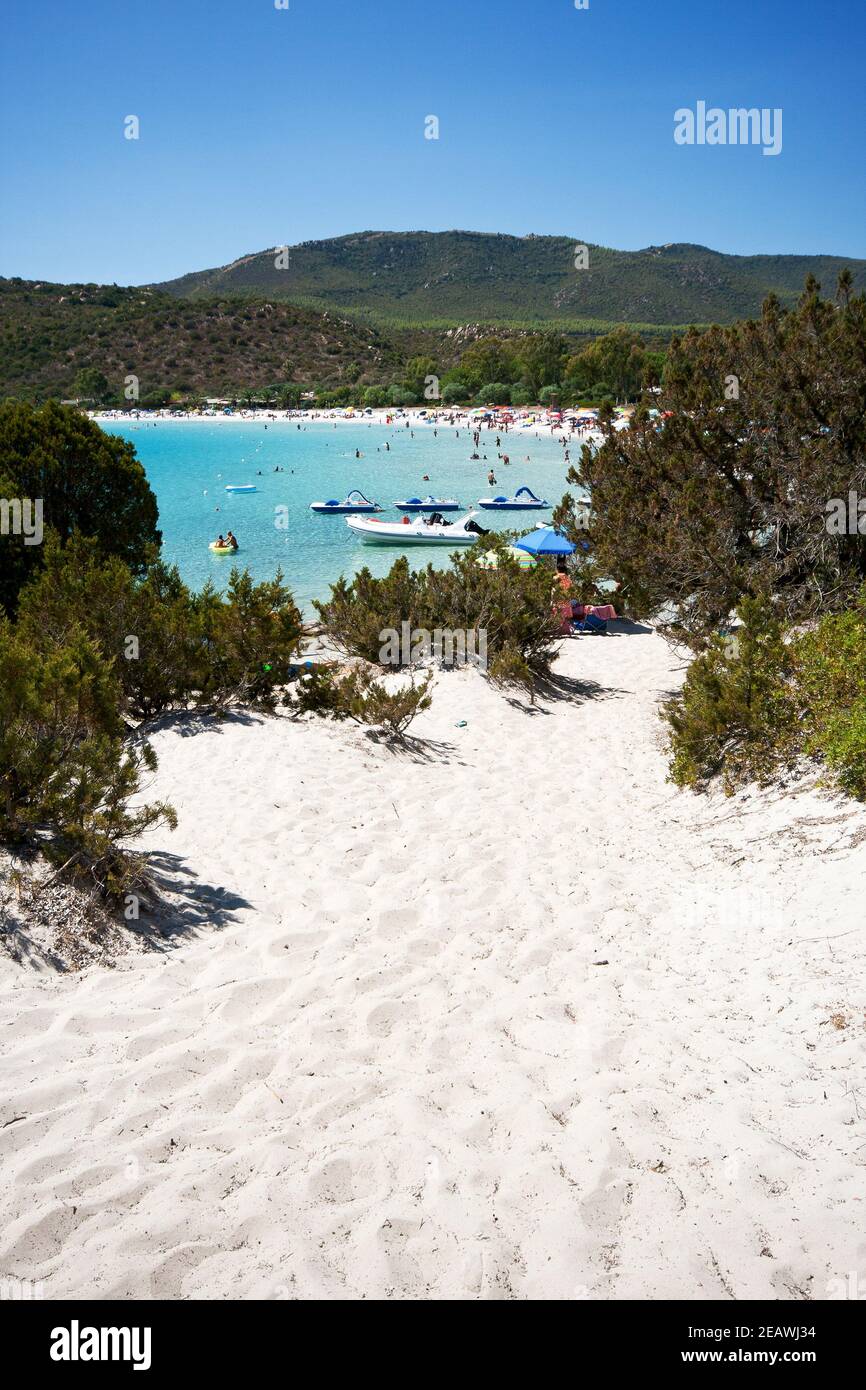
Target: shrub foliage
[[719, 490], [87, 482], [750, 707], [510, 605]]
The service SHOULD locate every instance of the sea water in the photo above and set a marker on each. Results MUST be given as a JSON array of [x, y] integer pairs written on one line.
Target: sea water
[[190, 463]]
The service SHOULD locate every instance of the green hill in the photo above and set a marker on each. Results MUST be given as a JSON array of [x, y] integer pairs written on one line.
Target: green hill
[[439, 278], [50, 333], [353, 311]]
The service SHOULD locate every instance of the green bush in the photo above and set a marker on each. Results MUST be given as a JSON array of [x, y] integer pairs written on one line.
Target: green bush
[[94, 644], [251, 638], [148, 629], [168, 647], [495, 393], [830, 677], [66, 775], [87, 481], [356, 694], [521, 396], [512, 606], [750, 706], [719, 488], [399, 396], [734, 716]]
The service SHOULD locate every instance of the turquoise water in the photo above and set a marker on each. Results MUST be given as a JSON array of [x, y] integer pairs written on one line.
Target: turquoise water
[[189, 464]]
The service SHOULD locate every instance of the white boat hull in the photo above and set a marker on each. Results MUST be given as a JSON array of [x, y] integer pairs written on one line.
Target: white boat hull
[[434, 504], [524, 500], [373, 532]]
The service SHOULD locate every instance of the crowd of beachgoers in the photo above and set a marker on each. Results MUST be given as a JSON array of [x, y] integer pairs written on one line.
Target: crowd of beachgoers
[[579, 423]]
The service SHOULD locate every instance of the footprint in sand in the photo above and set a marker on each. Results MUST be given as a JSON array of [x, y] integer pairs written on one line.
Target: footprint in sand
[[397, 923], [340, 1181], [386, 1018]]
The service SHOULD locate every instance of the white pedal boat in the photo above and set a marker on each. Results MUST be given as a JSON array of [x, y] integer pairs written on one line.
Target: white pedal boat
[[422, 531], [429, 504], [524, 500], [355, 502]]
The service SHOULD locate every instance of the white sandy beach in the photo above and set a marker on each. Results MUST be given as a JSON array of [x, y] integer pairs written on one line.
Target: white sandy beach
[[539, 422], [505, 1016]]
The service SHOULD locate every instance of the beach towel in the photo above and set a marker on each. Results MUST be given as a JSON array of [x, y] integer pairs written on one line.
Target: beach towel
[[599, 610]]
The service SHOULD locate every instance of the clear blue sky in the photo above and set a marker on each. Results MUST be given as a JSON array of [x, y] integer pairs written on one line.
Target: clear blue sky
[[262, 126]]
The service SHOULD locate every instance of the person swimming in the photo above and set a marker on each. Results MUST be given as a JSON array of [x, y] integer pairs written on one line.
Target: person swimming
[[231, 540]]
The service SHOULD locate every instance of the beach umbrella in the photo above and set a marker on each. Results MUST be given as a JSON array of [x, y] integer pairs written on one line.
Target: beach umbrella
[[524, 560], [490, 560], [545, 541]]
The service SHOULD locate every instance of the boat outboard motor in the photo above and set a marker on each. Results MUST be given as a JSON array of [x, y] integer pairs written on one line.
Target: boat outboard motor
[[479, 530]]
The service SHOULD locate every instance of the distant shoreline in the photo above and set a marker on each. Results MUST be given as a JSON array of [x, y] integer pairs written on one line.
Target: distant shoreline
[[542, 422]]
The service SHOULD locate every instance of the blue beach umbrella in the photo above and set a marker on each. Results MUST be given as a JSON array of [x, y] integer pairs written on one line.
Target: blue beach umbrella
[[545, 541]]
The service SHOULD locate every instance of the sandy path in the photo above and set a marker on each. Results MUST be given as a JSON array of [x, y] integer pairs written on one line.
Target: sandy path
[[508, 1017]]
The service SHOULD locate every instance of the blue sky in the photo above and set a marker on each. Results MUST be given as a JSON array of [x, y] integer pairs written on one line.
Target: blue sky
[[262, 126]]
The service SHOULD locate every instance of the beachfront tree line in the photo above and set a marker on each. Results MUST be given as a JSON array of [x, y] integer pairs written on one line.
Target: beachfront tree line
[[541, 368], [718, 512], [521, 370]]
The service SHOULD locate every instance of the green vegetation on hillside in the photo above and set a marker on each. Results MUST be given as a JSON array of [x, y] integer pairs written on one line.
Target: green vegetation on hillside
[[101, 344], [351, 312], [71, 341], [459, 277]]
